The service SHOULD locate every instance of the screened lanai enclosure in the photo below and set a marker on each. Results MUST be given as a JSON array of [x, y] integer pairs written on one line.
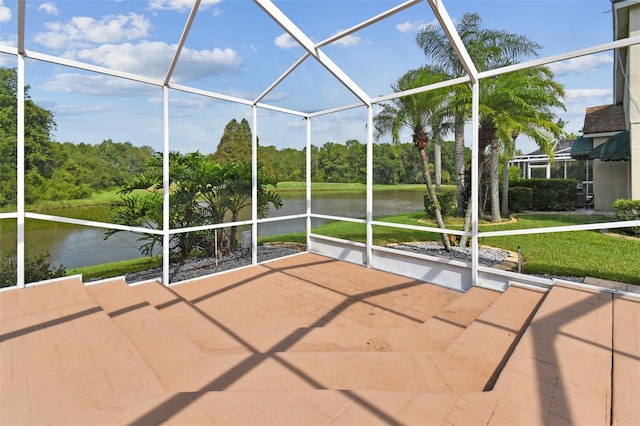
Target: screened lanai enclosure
[[168, 76]]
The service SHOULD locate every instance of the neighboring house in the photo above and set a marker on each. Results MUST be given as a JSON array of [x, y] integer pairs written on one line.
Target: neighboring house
[[537, 164], [611, 133]]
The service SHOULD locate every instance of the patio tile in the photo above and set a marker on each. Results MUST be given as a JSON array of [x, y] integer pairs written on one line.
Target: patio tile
[[427, 408], [626, 359], [472, 408], [314, 341]]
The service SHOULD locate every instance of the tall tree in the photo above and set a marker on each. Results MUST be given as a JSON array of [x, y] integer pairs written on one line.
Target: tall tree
[[38, 125], [356, 158], [416, 112], [440, 125], [235, 143], [507, 154], [485, 48], [202, 192], [519, 102], [333, 160]]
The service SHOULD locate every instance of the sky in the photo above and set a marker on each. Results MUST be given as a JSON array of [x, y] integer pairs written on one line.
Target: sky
[[235, 49]]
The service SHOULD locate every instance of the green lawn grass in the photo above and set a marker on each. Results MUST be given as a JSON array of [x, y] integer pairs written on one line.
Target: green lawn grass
[[582, 253], [106, 197], [576, 253], [114, 269], [347, 187]]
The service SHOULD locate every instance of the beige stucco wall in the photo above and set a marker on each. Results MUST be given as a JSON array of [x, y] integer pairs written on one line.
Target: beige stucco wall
[[633, 101], [621, 179], [611, 181]]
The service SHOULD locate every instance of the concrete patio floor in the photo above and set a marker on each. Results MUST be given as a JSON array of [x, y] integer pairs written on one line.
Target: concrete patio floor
[[309, 340]]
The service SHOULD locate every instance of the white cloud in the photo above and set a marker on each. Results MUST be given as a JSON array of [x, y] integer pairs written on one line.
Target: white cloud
[[7, 61], [49, 8], [410, 27], [581, 64], [94, 84], [348, 41], [198, 102], [76, 112], [5, 12], [84, 30], [576, 95], [179, 5], [285, 41], [275, 97], [153, 58], [13, 42]]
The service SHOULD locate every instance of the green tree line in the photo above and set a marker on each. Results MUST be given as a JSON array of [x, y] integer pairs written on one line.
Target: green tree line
[[346, 163], [54, 170]]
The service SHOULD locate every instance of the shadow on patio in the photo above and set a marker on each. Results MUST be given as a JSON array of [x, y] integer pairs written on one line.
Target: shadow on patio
[[311, 340]]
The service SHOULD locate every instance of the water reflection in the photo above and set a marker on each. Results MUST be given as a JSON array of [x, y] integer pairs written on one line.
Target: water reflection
[[77, 246]]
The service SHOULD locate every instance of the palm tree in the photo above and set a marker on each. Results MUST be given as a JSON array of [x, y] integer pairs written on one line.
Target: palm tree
[[417, 112], [508, 151], [437, 161], [440, 125], [486, 48], [520, 102]]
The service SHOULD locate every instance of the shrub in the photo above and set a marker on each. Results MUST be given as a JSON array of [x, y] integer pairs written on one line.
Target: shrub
[[628, 210], [550, 194], [447, 200], [520, 199], [37, 268]]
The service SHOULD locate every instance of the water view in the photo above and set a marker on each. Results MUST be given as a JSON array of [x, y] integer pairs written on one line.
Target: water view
[[76, 246]]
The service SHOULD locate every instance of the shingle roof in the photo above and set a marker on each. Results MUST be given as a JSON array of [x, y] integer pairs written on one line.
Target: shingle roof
[[559, 146], [603, 119]]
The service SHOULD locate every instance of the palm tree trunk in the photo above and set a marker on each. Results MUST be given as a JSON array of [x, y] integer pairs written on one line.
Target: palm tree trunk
[[486, 135], [437, 161], [466, 225], [434, 198], [480, 206], [495, 181], [233, 243], [505, 185], [459, 164]]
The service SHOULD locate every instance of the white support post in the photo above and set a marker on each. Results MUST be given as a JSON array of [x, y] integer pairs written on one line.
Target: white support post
[[475, 180], [20, 255], [369, 186], [166, 224], [254, 187], [586, 193], [308, 180]]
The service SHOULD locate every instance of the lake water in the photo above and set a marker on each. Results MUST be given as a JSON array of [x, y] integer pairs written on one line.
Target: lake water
[[76, 246]]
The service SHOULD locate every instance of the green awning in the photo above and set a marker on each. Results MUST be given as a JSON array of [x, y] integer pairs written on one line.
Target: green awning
[[616, 148], [581, 148], [596, 152]]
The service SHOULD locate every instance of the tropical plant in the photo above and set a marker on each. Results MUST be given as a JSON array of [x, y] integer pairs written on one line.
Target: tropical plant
[[37, 267], [486, 48], [419, 112], [519, 102], [202, 192], [508, 152]]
